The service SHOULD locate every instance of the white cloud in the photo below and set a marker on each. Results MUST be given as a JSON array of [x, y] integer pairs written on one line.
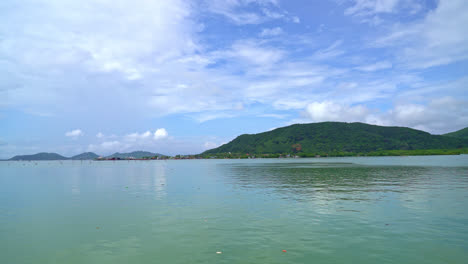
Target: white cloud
[[228, 9], [99, 135], [74, 133], [438, 39], [64, 40], [369, 7], [244, 12], [271, 32], [278, 116], [135, 141], [330, 52], [204, 117], [381, 65], [160, 133], [287, 104], [251, 52], [438, 116], [330, 111], [136, 136], [147, 136], [114, 45]]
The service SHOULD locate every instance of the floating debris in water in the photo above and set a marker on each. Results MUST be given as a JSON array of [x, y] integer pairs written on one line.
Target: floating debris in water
[[284, 250], [97, 227], [219, 252]]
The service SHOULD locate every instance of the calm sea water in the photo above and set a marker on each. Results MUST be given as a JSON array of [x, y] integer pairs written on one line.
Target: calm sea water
[[328, 210]]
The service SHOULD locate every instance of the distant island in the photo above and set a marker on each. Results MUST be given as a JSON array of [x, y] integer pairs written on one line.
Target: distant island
[[91, 156], [325, 139]]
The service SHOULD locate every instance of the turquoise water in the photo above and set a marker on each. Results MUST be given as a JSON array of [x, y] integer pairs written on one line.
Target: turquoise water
[[327, 210]]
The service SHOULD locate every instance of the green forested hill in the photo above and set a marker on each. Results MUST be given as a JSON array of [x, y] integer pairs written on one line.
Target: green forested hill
[[462, 133], [85, 156], [336, 137], [40, 156]]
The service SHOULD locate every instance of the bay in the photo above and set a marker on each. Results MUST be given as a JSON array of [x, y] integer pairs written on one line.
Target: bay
[[322, 210]]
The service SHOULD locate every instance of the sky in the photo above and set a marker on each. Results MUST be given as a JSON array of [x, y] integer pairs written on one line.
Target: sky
[[180, 77]]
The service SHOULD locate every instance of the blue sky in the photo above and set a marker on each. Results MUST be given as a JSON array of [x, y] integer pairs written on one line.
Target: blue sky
[[179, 77]]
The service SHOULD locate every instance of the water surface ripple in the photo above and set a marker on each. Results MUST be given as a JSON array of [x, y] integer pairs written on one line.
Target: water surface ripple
[[327, 210]]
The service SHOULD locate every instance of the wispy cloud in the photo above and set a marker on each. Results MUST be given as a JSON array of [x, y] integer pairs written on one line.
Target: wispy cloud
[[271, 32], [240, 12], [381, 65], [369, 7], [436, 40]]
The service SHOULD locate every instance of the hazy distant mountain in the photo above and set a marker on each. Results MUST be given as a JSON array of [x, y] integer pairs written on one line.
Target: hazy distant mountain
[[329, 137], [134, 154], [85, 156], [462, 133], [40, 156]]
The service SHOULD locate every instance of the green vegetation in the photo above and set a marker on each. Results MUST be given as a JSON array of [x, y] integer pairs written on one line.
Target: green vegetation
[[416, 152], [462, 133], [419, 152], [135, 155], [85, 156], [338, 139], [40, 156], [326, 139]]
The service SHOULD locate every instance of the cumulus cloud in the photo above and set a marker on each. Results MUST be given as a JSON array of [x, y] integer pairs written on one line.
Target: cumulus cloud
[[74, 133], [160, 133], [147, 136], [440, 115], [133, 141], [330, 111], [137, 136]]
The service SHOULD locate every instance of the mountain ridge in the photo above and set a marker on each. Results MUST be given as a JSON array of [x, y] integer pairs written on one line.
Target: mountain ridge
[[85, 156], [462, 133], [325, 137], [40, 156], [82, 156]]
